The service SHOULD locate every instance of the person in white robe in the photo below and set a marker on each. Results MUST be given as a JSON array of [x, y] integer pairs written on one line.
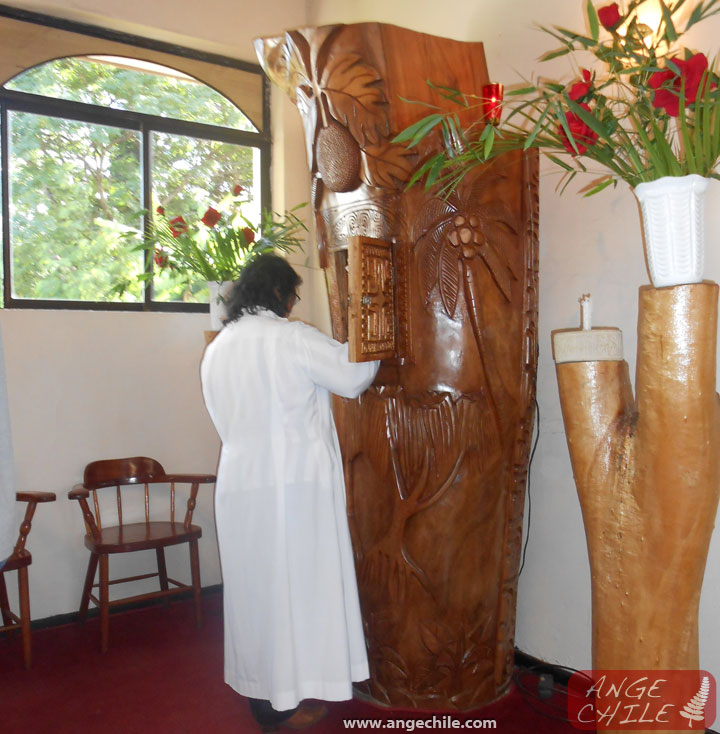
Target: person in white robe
[[292, 623]]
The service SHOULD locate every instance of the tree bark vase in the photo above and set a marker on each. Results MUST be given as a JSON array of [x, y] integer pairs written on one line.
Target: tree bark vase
[[647, 471]]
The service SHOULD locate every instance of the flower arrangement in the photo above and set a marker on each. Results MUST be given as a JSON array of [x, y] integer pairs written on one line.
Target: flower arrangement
[[222, 242], [639, 104]]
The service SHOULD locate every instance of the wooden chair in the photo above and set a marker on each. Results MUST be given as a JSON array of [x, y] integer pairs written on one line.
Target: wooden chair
[[136, 536], [19, 561]]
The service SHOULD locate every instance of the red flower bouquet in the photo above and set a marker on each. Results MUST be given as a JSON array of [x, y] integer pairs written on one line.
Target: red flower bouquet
[[646, 107], [218, 245]]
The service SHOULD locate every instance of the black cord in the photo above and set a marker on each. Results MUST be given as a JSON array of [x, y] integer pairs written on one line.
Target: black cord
[[529, 697], [529, 499]]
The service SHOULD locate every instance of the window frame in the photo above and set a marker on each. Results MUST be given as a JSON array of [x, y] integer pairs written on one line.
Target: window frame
[[145, 124]]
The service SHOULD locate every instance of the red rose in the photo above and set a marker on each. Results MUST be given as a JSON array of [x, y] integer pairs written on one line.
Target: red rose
[[581, 89], [211, 217], [160, 258], [248, 234], [237, 190], [609, 16], [667, 84], [160, 210], [178, 226], [584, 136]]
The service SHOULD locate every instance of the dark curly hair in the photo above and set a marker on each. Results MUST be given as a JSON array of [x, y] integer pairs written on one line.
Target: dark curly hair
[[267, 282]]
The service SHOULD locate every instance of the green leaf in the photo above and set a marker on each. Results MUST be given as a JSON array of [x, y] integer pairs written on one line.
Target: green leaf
[[670, 32], [438, 163], [520, 92], [558, 162], [555, 54], [536, 130], [599, 187], [593, 20], [418, 130], [489, 141]]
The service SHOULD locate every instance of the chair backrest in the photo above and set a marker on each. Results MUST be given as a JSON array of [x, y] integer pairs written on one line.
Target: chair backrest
[[136, 470], [111, 472]]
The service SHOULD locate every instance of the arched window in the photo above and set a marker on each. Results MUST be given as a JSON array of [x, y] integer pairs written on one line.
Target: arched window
[[89, 143]]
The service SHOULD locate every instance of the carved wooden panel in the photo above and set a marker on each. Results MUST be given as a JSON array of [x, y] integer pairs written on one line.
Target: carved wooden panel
[[436, 451], [371, 307]]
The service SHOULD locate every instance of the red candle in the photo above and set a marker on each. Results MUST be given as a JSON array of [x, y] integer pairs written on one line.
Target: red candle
[[492, 96]]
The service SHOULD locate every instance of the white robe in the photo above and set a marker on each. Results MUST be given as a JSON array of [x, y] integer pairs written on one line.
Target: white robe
[[292, 617]]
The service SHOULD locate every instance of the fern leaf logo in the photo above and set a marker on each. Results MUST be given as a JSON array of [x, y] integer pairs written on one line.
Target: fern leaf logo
[[694, 710]]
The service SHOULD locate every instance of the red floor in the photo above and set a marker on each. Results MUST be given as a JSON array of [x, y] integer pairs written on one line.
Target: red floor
[[162, 674]]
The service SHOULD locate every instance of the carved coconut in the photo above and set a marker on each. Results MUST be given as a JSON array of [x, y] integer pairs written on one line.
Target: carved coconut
[[338, 157]]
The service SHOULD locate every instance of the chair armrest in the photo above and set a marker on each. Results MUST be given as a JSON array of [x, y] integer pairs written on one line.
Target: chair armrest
[[189, 478], [79, 491], [35, 496], [32, 498]]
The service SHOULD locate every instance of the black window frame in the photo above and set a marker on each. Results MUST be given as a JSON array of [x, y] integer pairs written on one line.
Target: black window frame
[[145, 124]]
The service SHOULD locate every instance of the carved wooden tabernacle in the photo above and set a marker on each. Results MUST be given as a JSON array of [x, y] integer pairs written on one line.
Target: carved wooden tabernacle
[[445, 291]]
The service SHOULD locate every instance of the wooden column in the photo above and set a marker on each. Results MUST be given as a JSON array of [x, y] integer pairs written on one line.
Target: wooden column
[[647, 476]]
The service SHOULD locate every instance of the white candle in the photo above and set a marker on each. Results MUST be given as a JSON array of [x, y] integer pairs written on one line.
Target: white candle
[[587, 344], [586, 311]]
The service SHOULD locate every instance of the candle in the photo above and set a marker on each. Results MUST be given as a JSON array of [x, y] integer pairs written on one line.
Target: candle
[[585, 311], [587, 344], [492, 97]]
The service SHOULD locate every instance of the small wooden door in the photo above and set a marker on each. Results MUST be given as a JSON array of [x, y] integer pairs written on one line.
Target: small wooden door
[[372, 318]]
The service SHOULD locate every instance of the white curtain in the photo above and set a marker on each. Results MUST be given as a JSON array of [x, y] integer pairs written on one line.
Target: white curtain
[[8, 523]]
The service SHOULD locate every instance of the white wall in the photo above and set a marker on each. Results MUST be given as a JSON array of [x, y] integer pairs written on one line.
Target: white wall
[[85, 385], [586, 246]]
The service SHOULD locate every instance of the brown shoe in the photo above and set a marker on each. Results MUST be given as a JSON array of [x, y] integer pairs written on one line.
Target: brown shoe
[[307, 715]]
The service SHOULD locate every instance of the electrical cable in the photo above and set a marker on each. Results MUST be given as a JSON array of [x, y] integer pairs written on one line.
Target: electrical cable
[[532, 699], [529, 499]]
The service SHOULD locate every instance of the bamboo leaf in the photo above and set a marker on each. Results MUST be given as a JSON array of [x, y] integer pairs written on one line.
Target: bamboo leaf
[[489, 141], [559, 162], [593, 20], [536, 130], [418, 130], [599, 187], [520, 92], [670, 32], [555, 54]]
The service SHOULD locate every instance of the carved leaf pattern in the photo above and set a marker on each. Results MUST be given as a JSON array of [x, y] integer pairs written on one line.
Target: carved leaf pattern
[[286, 62], [430, 639], [498, 270], [387, 166], [501, 237], [428, 249], [448, 278], [434, 213], [496, 211], [355, 96], [494, 228]]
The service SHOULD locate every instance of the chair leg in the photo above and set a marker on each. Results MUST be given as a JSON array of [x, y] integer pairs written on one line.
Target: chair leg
[[89, 578], [162, 572], [4, 603], [104, 602], [195, 571], [24, 593]]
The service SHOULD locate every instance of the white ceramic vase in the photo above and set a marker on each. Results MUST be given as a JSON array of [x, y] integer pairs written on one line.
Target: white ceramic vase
[[218, 293], [673, 214]]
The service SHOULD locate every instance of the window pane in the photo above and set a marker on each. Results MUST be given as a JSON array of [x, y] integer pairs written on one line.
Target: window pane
[[74, 189], [129, 84], [190, 175]]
